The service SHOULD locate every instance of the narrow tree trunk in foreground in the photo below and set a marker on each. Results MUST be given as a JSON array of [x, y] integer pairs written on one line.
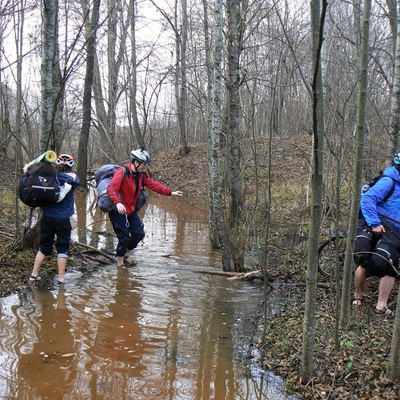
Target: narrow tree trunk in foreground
[[317, 28]]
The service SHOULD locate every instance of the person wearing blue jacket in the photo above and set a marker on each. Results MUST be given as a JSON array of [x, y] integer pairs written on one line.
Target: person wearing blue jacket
[[56, 221], [377, 242]]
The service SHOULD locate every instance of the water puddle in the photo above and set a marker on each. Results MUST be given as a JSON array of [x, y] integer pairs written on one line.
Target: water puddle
[[155, 331]]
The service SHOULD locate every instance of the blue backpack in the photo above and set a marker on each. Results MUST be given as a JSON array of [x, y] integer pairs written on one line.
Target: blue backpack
[[103, 178]]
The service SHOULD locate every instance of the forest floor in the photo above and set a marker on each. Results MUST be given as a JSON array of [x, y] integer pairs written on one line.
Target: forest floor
[[351, 367]]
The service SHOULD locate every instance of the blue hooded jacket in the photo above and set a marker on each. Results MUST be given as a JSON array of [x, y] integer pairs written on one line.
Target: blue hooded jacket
[[374, 209], [66, 207]]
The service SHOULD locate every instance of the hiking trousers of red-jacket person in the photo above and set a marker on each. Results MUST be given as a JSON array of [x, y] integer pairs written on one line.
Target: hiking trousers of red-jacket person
[[129, 230]]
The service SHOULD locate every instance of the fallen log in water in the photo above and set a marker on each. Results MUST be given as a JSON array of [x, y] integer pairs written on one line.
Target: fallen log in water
[[93, 249], [232, 275]]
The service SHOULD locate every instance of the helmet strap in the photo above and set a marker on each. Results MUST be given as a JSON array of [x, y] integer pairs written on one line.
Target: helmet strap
[[135, 166]]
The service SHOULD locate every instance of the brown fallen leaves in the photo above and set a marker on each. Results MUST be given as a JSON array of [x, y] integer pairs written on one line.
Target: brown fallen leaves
[[356, 370]]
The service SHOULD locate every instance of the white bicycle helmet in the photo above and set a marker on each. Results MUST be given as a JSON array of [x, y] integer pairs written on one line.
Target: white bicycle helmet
[[65, 159], [141, 155]]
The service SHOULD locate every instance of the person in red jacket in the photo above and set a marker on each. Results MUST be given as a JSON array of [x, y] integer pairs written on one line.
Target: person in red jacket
[[124, 190]]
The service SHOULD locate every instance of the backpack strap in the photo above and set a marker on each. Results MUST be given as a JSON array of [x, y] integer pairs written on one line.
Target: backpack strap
[[390, 191], [136, 177]]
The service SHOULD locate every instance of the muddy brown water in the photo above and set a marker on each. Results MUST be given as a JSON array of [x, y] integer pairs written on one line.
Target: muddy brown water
[[154, 331]]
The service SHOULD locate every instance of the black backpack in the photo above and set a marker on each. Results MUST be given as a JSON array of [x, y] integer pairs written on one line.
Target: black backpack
[[39, 185], [103, 178], [373, 181]]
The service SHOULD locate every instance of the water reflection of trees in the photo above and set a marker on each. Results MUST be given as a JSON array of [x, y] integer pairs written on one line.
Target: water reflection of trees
[[45, 363], [118, 343], [93, 226]]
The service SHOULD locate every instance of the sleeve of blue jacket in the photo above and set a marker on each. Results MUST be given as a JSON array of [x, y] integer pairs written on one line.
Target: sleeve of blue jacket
[[372, 197]]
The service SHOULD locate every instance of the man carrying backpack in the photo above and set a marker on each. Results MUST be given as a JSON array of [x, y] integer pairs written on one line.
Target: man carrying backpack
[[124, 190], [56, 221], [378, 237]]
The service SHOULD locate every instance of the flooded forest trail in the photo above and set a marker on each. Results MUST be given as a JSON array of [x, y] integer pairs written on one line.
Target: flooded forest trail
[[154, 331]]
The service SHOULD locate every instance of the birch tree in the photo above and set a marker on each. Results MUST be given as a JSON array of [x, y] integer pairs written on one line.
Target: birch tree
[[214, 142]]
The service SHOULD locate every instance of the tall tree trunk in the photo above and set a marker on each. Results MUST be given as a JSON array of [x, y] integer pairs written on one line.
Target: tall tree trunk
[[358, 163], [394, 359], [113, 12], [106, 116], [180, 75], [214, 239], [393, 368], [394, 127], [134, 120], [235, 22], [19, 21], [58, 98], [49, 13], [101, 112], [180, 83], [235, 12], [87, 92], [393, 15], [214, 143], [317, 29]]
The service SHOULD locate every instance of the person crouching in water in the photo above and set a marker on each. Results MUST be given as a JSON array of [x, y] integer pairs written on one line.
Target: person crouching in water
[[124, 190]]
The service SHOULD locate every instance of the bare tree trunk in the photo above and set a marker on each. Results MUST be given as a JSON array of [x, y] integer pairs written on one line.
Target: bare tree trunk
[[394, 127], [317, 29], [182, 92], [101, 112], [393, 15], [235, 23], [235, 12], [357, 25], [214, 144], [393, 369], [87, 92], [58, 98], [214, 239], [19, 38], [358, 164], [106, 117], [113, 16], [134, 120], [49, 13]]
